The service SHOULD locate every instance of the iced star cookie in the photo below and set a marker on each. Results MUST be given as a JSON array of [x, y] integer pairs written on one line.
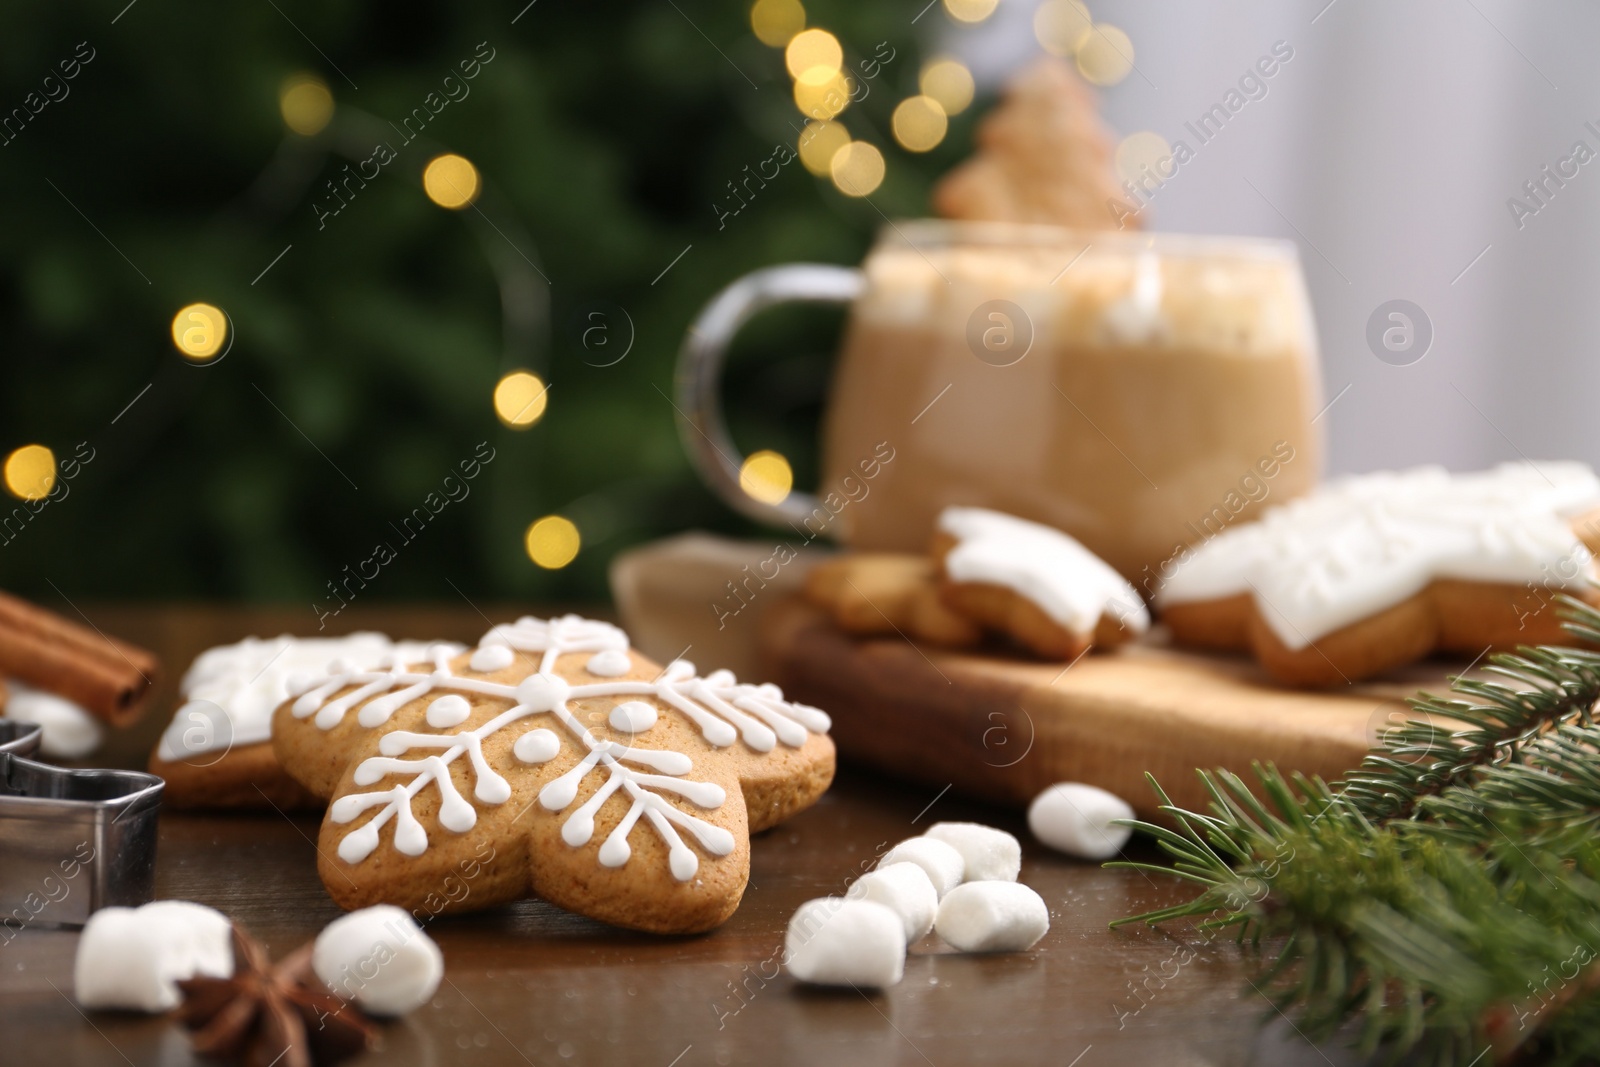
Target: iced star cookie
[[552, 760], [217, 751], [1372, 572], [1033, 583]]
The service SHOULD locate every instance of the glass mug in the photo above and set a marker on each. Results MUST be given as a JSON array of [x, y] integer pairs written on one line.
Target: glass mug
[[1140, 392]]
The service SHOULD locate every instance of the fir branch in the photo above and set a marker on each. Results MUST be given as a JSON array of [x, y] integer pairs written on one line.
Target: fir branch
[[1445, 895]]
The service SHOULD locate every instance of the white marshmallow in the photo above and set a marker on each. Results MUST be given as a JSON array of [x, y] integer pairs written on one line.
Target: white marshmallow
[[939, 861], [132, 958], [903, 888], [66, 731], [380, 958], [990, 855], [1076, 819], [992, 917], [834, 941]]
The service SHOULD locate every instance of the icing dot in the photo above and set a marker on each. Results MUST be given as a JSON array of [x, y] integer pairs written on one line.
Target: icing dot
[[633, 716], [537, 746], [612, 663], [491, 658], [542, 692], [449, 710]]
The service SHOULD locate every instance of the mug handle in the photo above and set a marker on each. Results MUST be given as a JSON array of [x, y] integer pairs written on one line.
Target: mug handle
[[700, 362]]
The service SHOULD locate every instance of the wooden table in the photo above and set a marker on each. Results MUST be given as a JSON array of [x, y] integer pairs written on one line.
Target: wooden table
[[529, 984]]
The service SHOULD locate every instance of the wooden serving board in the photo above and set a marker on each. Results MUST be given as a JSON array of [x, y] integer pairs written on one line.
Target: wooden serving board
[[1003, 729]]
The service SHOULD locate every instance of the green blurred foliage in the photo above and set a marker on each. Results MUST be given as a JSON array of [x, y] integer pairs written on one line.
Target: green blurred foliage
[[365, 358]]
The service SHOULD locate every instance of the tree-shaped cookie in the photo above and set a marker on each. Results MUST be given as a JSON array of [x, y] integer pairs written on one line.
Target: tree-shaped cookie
[[1043, 157], [555, 761]]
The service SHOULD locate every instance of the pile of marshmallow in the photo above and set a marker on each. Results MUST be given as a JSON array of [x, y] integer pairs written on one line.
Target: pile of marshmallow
[[131, 959], [960, 879]]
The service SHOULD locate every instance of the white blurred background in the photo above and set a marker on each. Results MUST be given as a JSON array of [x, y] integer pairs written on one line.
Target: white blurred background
[[1387, 149]]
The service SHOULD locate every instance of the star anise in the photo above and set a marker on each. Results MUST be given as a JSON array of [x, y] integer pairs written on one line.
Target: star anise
[[271, 1015]]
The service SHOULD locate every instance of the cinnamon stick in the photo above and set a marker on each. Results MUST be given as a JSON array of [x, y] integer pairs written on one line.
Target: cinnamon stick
[[109, 678]]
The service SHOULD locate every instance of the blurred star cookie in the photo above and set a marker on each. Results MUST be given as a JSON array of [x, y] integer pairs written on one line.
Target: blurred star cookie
[[874, 593], [1034, 584], [217, 751], [1375, 571]]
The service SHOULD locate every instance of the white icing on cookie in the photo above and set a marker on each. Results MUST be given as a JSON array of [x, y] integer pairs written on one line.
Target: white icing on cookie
[[537, 746], [633, 717], [490, 658], [1363, 544], [231, 691], [612, 663], [722, 708], [1070, 584], [450, 710]]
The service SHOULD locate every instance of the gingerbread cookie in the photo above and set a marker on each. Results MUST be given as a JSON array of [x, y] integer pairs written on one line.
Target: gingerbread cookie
[[551, 759], [1043, 157], [879, 593], [217, 751], [1034, 584], [1376, 571]]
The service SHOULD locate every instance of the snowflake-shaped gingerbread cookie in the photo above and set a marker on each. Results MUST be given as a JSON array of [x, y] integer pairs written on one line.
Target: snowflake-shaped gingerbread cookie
[[552, 760]]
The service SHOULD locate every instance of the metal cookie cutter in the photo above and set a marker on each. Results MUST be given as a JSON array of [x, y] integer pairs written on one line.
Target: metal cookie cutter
[[71, 841]]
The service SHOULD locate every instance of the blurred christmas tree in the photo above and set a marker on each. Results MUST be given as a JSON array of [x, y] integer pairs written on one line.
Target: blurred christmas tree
[[610, 139]]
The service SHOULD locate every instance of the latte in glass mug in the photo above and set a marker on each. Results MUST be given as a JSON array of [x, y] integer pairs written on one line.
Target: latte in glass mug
[[1140, 392]]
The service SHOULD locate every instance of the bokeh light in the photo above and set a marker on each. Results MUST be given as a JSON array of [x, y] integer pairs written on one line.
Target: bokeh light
[[775, 22], [1106, 55], [306, 104], [970, 10], [766, 476], [450, 181], [1062, 26], [949, 82], [818, 142], [553, 542], [812, 55], [1143, 152], [824, 99], [520, 398], [857, 169], [919, 123], [199, 331], [31, 472]]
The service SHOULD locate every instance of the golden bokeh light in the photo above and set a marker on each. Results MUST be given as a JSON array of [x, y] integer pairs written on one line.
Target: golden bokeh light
[[818, 142], [31, 472], [1106, 55], [949, 82], [919, 123], [766, 476], [199, 331], [775, 22], [1062, 26], [822, 100], [1140, 155], [520, 398], [812, 55], [306, 104], [553, 542], [857, 169], [970, 10], [450, 181]]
